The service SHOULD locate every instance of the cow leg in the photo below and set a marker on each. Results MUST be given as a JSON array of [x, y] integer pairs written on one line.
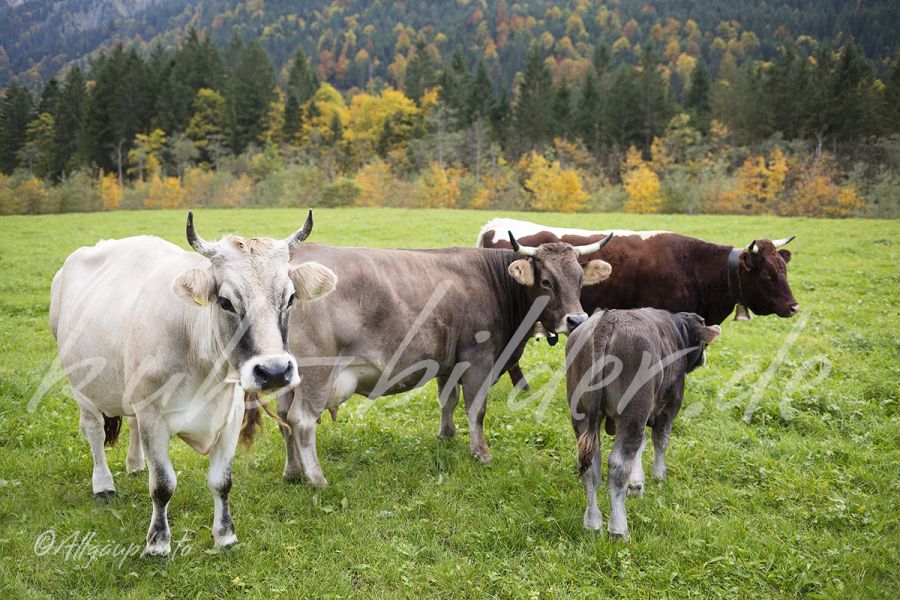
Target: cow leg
[[219, 476], [629, 435], [292, 469], [661, 431], [448, 396], [91, 423], [475, 395], [301, 442], [518, 379], [590, 479], [134, 460], [155, 439], [636, 479]]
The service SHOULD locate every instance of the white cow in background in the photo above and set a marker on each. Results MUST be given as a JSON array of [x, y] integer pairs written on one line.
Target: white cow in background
[[160, 335]]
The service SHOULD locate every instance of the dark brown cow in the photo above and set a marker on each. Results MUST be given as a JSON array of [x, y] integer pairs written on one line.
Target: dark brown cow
[[627, 367], [673, 272], [399, 318]]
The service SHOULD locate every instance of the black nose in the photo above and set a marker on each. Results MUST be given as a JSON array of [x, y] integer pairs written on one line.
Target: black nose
[[573, 321], [273, 376]]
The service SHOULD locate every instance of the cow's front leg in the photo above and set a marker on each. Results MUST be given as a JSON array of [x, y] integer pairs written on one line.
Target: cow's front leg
[[636, 479], [475, 394], [219, 476], [134, 460], [155, 440]]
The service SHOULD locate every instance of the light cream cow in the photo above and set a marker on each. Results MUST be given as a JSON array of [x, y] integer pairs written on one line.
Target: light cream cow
[[161, 336]]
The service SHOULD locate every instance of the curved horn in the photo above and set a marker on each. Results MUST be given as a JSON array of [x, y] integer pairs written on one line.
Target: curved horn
[[753, 248], [302, 233], [197, 242], [783, 242], [595, 247], [523, 250]]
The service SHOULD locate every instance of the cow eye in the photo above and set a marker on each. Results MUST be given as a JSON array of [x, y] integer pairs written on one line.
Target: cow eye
[[545, 283], [290, 301], [226, 304]]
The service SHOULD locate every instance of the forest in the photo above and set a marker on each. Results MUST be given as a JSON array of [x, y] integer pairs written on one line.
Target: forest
[[583, 106]]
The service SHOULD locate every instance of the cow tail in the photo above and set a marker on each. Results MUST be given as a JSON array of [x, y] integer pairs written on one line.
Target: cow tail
[[252, 419], [111, 428], [589, 440]]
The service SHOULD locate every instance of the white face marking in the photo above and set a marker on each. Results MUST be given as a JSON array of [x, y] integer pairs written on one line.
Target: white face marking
[[525, 228]]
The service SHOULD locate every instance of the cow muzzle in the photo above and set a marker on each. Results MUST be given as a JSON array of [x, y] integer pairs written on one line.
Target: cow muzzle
[[572, 321], [267, 373]]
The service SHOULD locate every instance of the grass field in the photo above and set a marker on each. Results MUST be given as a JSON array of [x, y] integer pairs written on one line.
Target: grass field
[[802, 500]]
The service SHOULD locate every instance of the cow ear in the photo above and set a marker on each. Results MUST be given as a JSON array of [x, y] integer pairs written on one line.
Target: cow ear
[[522, 271], [596, 271], [785, 254], [746, 260], [194, 287], [312, 280], [709, 334]]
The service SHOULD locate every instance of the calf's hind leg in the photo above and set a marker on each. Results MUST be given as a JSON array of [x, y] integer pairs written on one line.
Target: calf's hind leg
[[629, 435], [91, 424]]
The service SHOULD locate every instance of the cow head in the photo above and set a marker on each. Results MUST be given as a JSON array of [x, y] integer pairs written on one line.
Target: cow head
[[249, 286], [763, 275], [695, 334], [552, 270]]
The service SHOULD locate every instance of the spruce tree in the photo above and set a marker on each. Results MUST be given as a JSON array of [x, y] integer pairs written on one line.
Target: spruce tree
[[14, 118], [420, 72], [534, 107], [696, 102]]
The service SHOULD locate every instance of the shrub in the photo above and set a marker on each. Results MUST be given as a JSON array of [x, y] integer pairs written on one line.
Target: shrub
[[342, 192], [299, 185], [78, 192], [681, 193]]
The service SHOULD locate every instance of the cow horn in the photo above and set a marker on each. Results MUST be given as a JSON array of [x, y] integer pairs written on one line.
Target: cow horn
[[753, 248], [523, 250], [783, 242], [595, 247], [197, 242], [302, 233]]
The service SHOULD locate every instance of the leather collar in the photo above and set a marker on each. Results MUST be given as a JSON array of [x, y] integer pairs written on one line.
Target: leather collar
[[734, 278]]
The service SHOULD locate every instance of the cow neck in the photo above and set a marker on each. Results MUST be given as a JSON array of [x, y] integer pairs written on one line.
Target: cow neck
[[511, 296], [712, 272], [735, 294]]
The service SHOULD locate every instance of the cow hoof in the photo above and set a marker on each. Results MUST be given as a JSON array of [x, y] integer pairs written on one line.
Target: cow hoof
[[227, 540], [293, 476], [134, 469], [156, 550], [319, 482], [619, 536], [104, 496], [593, 523], [483, 455], [447, 433], [635, 490]]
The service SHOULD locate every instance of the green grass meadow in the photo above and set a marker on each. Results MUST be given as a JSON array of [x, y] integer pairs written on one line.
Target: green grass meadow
[[802, 500]]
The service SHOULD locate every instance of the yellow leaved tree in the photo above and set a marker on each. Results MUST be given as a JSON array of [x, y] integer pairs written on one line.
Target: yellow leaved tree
[[379, 123], [437, 188], [641, 184], [552, 187]]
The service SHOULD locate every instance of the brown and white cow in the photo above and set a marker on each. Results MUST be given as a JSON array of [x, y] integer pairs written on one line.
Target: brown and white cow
[[400, 318], [163, 336], [627, 367], [670, 271]]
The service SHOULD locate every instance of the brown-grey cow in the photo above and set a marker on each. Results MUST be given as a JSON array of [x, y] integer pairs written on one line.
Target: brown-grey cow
[[400, 318], [627, 367]]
